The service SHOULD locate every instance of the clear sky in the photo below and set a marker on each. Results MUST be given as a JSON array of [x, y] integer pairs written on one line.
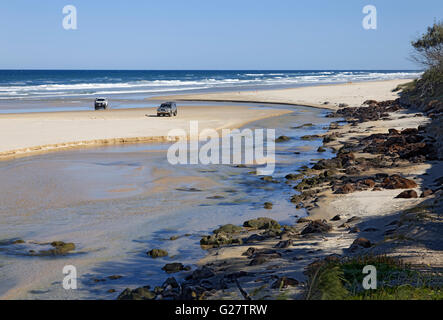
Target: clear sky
[[212, 34]]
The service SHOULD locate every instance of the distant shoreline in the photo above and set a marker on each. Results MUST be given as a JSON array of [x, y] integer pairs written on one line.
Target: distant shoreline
[[37, 133]]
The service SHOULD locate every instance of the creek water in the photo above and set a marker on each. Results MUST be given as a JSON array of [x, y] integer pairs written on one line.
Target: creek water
[[116, 203]]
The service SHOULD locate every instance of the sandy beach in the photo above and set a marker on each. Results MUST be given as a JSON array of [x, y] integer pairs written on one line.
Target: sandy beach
[[261, 256], [27, 134], [323, 96], [36, 133]]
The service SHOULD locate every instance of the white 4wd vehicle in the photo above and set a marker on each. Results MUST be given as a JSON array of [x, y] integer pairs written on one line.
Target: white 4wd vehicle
[[101, 103]]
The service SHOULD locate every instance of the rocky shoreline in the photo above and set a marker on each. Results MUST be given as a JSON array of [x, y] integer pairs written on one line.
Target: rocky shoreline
[[383, 152]]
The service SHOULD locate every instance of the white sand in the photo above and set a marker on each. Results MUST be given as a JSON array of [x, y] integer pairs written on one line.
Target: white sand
[[353, 94], [25, 134]]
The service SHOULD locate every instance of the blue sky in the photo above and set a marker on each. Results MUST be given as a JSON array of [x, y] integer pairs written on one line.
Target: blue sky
[[212, 34]]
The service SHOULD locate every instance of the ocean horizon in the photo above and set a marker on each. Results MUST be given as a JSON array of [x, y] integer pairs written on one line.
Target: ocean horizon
[[47, 84]]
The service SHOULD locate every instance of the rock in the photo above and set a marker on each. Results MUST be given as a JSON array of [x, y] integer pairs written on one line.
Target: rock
[[426, 193], [170, 282], [397, 182], [218, 240], [354, 230], [284, 244], [269, 179], [284, 282], [343, 105], [347, 188], [142, 293], [157, 253], [336, 218], [115, 277], [321, 149], [59, 248], [360, 242], [303, 126], [294, 176], [228, 229], [173, 267], [18, 241], [310, 137], [353, 219], [268, 205], [254, 238], [262, 224], [201, 273], [369, 182], [303, 220], [316, 226], [258, 261], [282, 139], [407, 195]]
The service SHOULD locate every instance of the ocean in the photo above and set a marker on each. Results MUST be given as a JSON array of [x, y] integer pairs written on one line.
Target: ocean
[[47, 84]]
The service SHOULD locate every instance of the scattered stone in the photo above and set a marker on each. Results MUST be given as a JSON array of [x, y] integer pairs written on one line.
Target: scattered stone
[[269, 179], [354, 230], [201, 273], [174, 267], [426, 193], [347, 188], [407, 195], [284, 244], [254, 238], [294, 176], [262, 224], [115, 277], [336, 218], [360, 243], [142, 293], [157, 253], [321, 149], [282, 139], [268, 205], [303, 220], [218, 240], [397, 182], [317, 226], [258, 261], [353, 219], [228, 229], [59, 248]]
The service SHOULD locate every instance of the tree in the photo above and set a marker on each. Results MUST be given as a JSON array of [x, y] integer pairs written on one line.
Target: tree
[[429, 47]]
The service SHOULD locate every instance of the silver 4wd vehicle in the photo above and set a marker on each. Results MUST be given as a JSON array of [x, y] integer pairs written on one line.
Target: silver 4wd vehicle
[[167, 109], [101, 103]]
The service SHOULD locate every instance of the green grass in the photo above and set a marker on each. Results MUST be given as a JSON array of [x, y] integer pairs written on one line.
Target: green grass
[[342, 280]]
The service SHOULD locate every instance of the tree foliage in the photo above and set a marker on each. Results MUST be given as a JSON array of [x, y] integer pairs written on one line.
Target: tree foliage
[[429, 47]]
